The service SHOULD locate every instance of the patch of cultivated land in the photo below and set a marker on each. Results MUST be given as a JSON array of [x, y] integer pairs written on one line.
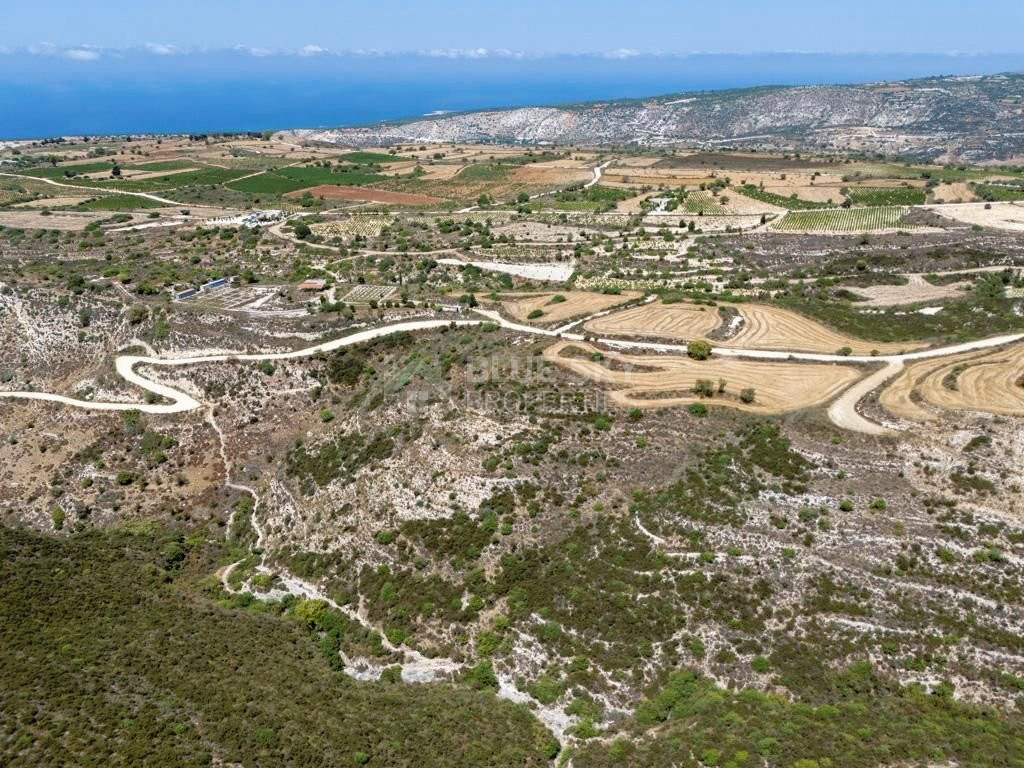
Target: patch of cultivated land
[[51, 202], [62, 220], [1008, 216], [365, 225], [844, 220], [679, 322], [917, 290], [990, 383], [662, 381], [576, 304], [762, 327], [365, 194]]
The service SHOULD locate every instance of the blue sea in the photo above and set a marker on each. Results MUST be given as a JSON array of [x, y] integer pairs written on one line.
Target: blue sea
[[139, 92]]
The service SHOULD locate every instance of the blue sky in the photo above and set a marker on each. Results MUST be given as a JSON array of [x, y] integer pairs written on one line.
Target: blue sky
[[82, 30]]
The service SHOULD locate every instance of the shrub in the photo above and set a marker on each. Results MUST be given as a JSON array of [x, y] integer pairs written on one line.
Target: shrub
[[703, 387], [534, 314], [748, 395], [698, 409], [699, 349]]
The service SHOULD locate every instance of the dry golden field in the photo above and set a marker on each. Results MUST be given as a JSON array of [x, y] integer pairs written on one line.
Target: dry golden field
[[990, 382], [662, 381], [763, 327], [576, 304]]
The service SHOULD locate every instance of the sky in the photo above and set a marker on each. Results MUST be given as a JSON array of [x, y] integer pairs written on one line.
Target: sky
[[80, 30], [128, 66]]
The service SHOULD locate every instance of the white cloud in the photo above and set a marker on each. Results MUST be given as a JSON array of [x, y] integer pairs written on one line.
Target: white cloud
[[42, 49], [471, 53], [160, 49], [622, 53], [311, 50], [257, 52], [81, 54]]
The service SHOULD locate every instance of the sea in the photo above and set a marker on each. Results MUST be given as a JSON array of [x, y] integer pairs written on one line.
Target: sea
[[136, 92]]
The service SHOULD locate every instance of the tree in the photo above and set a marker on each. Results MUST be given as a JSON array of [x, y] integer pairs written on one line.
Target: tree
[[704, 388], [699, 349]]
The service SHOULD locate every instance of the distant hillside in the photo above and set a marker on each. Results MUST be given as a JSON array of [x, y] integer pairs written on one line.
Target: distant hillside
[[971, 119]]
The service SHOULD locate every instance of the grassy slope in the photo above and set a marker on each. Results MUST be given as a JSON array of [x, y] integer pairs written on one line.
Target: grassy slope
[[110, 657]]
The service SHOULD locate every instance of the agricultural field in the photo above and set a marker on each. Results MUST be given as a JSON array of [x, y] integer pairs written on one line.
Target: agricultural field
[[703, 203], [886, 196], [790, 202], [992, 383], [843, 220], [666, 381], [353, 226], [999, 193], [749, 326], [549, 308], [676, 322], [118, 203], [363, 294]]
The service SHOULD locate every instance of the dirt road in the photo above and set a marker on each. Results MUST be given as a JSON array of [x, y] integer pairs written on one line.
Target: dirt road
[[843, 410]]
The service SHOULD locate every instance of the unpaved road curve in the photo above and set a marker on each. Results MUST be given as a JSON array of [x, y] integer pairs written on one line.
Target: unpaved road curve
[[181, 401], [843, 410], [94, 192]]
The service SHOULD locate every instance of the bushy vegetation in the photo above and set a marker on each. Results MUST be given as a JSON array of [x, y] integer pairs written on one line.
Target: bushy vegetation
[[112, 655], [792, 202], [882, 196], [867, 721]]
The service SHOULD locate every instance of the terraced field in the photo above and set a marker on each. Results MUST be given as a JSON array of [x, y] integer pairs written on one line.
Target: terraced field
[[363, 226], [767, 327], [762, 327], [703, 202], [645, 381], [575, 304], [844, 220], [887, 196], [679, 322], [990, 382]]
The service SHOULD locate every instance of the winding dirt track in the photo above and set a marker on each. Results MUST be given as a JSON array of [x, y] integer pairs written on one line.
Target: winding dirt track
[[843, 410]]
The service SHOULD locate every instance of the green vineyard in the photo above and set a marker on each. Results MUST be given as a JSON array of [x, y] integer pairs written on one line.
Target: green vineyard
[[844, 220]]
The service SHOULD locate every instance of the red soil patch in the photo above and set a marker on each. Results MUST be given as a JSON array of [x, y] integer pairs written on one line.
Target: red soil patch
[[331, 192]]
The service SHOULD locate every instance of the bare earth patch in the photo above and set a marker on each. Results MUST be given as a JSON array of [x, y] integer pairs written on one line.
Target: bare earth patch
[[916, 291], [576, 304], [1008, 216], [663, 381], [763, 327], [366, 194]]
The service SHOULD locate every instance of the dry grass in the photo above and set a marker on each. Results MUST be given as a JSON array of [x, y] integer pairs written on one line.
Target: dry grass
[[763, 327], [67, 221], [367, 194], [1008, 216], [576, 304], [988, 383], [51, 202], [679, 322], [649, 381], [916, 291], [985, 381]]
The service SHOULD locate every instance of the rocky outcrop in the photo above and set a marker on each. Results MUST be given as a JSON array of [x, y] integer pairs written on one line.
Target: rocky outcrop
[[971, 119]]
